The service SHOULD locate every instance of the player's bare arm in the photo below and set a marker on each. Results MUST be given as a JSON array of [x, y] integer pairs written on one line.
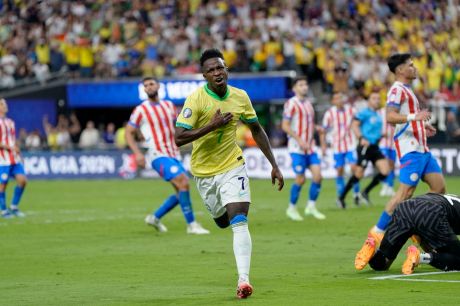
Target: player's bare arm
[[129, 135], [184, 136], [262, 141], [355, 124], [322, 138], [394, 117], [286, 126]]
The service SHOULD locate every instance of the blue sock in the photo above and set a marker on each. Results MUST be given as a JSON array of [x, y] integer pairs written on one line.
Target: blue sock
[[17, 195], [2, 201], [186, 206], [238, 219], [356, 188], [169, 204], [295, 191], [340, 184], [390, 178], [384, 220], [314, 191]]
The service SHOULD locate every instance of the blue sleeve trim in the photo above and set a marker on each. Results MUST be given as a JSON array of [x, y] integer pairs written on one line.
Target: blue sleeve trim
[[183, 125], [392, 104], [287, 117], [133, 124], [249, 120]]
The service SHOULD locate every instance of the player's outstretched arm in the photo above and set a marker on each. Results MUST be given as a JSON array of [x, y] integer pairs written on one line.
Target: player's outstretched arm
[[183, 136], [262, 141], [394, 117]]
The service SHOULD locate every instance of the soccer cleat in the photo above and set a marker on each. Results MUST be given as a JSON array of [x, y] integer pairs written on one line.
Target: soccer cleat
[[16, 212], [244, 290], [293, 214], [356, 199], [6, 214], [364, 198], [365, 254], [377, 236], [313, 211], [412, 260], [390, 192], [341, 203], [195, 228], [156, 223]]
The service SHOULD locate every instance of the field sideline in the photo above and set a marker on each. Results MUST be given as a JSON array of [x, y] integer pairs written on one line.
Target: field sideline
[[85, 243]]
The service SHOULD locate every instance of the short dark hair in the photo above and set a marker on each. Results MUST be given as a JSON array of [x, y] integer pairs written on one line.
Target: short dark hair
[[210, 53], [149, 78], [397, 59], [298, 79]]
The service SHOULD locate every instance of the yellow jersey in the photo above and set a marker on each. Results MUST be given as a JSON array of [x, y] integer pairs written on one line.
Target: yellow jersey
[[216, 152]]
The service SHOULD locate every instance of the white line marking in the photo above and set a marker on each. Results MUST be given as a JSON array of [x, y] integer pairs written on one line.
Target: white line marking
[[427, 280], [397, 276]]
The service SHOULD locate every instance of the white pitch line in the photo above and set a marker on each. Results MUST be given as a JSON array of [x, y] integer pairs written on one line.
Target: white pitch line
[[427, 280], [396, 276]]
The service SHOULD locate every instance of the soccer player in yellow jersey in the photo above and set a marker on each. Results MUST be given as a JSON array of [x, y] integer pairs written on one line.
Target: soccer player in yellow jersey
[[209, 119]]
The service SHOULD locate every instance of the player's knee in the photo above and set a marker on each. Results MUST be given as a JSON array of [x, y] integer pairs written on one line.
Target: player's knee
[[300, 180], [22, 182], [317, 178], [440, 189]]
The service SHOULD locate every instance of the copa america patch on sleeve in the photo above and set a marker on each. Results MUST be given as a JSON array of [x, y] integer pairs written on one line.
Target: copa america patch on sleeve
[[187, 113]]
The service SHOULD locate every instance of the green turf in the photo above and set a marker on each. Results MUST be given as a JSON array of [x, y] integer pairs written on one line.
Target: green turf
[[85, 243]]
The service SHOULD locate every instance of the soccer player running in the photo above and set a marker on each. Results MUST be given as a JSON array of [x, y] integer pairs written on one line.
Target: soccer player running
[[367, 126], [10, 165], [209, 119], [435, 219], [337, 121], [411, 130], [387, 147], [155, 119], [299, 124]]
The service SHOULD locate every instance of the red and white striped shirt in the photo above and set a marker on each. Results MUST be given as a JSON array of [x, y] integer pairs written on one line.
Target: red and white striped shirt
[[8, 138], [302, 117], [388, 130], [410, 136], [156, 123], [338, 122]]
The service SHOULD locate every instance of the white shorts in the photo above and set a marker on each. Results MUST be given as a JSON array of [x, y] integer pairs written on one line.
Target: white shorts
[[219, 190]]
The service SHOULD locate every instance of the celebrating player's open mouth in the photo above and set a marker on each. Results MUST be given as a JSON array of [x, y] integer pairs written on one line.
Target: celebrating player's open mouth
[[219, 81]]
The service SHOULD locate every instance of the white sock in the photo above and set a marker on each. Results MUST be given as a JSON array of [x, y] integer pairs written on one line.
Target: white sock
[[377, 230], [292, 206], [242, 247], [311, 204], [425, 258]]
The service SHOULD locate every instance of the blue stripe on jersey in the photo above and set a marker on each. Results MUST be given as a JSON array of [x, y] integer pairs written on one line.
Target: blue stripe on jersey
[[392, 104], [402, 131]]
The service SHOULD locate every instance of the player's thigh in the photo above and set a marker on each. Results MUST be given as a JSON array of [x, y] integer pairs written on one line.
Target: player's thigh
[[19, 174], [412, 165], [433, 176], [299, 163], [383, 166], [208, 190], [234, 191], [4, 177], [168, 168], [314, 164]]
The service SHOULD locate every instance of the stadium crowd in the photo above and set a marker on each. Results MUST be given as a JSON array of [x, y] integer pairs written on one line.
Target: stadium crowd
[[346, 42]]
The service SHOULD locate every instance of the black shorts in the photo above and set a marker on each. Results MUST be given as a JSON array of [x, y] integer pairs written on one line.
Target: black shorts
[[418, 217], [371, 153]]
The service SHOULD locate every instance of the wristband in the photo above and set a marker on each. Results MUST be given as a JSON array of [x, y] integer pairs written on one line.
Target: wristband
[[410, 117]]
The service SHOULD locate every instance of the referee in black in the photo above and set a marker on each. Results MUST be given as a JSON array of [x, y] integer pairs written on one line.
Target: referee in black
[[435, 219]]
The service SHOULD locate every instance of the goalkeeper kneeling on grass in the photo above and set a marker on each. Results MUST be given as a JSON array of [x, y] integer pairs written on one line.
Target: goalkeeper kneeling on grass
[[434, 219]]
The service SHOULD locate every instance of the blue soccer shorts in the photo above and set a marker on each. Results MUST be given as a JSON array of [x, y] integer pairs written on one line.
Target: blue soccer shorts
[[415, 165], [300, 162], [341, 158], [168, 168], [389, 153], [10, 171]]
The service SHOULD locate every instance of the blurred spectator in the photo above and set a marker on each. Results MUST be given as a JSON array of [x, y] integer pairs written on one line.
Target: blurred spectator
[[74, 129], [109, 134], [21, 139], [33, 141], [89, 138], [453, 128], [438, 111], [120, 141]]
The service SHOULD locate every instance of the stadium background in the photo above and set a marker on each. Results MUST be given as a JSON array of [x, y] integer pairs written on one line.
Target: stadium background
[[66, 63]]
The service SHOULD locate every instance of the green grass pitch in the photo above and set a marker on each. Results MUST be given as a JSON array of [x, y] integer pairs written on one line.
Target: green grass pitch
[[85, 243]]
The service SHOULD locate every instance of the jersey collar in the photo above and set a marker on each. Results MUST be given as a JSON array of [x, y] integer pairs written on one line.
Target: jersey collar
[[216, 96]]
